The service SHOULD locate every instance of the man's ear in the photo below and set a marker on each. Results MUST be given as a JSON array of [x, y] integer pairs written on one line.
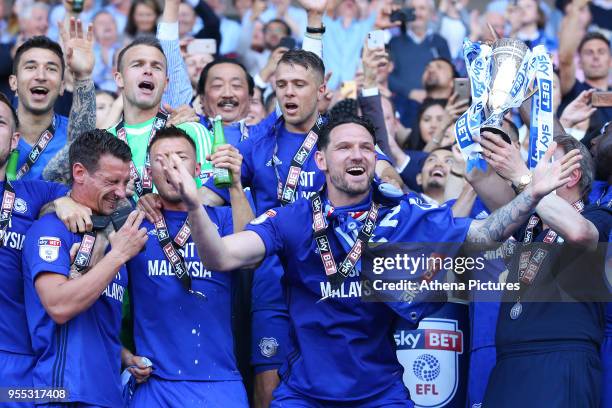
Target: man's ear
[[118, 79], [320, 160], [15, 140], [198, 168], [13, 83], [575, 177], [419, 179], [79, 173], [321, 92]]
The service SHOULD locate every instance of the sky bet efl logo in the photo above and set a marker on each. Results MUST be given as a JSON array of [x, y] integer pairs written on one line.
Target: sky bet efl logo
[[430, 356]]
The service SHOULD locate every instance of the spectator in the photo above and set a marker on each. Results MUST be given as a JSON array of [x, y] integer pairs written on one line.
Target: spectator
[[295, 17], [241, 7], [195, 64], [454, 24], [198, 19], [273, 32], [104, 102], [345, 34], [58, 16], [257, 110], [142, 18], [433, 175], [230, 29], [187, 20], [34, 20], [527, 21], [431, 119], [412, 50], [119, 9], [595, 60], [106, 45]]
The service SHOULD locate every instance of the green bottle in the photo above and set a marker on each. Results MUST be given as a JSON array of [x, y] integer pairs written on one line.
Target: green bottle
[[222, 177], [11, 167]]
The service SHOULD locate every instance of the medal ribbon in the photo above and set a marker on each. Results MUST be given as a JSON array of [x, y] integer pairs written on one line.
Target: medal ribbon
[[37, 150], [286, 192], [337, 275], [170, 248], [541, 127], [6, 210], [83, 256], [143, 185]]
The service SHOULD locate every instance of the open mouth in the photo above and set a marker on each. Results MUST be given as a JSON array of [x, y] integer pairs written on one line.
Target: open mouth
[[437, 173], [227, 104], [146, 85], [356, 170], [291, 107], [39, 91]]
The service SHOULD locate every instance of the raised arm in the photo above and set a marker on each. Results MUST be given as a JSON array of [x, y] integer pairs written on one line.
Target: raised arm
[[80, 60], [212, 23], [178, 92], [220, 254], [571, 32], [555, 212], [547, 177], [314, 10]]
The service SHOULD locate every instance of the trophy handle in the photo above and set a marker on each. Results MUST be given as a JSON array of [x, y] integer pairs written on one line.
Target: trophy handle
[[498, 131]]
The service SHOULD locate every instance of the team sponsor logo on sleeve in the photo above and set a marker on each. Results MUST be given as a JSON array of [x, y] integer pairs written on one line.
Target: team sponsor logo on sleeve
[[263, 217], [268, 346], [48, 248]]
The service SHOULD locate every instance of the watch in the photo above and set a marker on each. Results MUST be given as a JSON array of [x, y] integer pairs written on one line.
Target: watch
[[524, 181], [316, 30]]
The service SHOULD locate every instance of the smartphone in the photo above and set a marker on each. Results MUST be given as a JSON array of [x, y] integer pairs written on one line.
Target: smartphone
[[202, 46], [287, 42], [404, 15], [349, 89], [376, 39], [462, 88], [601, 99], [77, 6]]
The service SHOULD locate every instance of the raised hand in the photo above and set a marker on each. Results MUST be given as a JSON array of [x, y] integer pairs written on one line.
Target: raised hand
[[372, 59], [177, 175], [129, 240], [79, 48], [316, 6], [151, 205], [503, 157], [578, 110], [182, 114], [76, 217], [548, 176]]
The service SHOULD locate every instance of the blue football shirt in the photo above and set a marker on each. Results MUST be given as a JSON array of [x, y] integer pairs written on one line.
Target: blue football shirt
[[341, 346], [185, 337], [54, 146], [30, 197], [84, 354]]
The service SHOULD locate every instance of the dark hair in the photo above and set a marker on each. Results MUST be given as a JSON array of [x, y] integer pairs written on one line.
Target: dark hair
[[336, 121], [90, 146], [100, 91], [278, 21], [344, 107], [223, 60], [306, 59], [130, 27], [39, 41], [414, 141], [171, 132], [592, 36], [5, 100], [148, 41], [587, 165], [454, 72]]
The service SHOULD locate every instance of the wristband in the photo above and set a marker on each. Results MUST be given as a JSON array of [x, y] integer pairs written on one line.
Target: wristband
[[316, 30]]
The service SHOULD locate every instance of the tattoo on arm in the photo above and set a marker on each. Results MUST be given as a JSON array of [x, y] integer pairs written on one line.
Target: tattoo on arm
[[83, 110], [500, 224], [82, 118]]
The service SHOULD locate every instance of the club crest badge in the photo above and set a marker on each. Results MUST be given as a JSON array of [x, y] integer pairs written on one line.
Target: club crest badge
[[268, 346]]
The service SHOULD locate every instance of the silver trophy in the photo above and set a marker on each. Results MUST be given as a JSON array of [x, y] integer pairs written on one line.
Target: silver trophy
[[506, 59]]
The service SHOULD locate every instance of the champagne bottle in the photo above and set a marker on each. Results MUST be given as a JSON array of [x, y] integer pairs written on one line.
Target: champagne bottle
[[11, 167], [222, 177]]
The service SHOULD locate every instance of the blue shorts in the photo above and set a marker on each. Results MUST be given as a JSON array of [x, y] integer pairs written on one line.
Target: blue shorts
[[567, 376], [156, 392], [270, 339], [16, 371], [396, 396]]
